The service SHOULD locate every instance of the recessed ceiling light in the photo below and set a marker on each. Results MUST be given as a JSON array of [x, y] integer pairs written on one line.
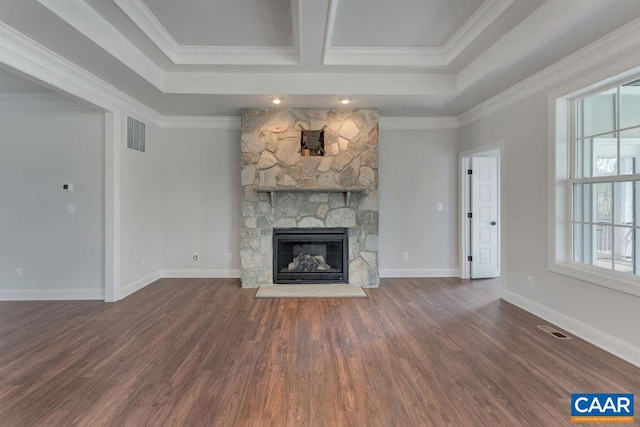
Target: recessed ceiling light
[[344, 100], [276, 100]]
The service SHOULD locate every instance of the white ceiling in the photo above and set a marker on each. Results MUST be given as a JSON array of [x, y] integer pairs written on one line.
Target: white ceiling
[[225, 23], [404, 57], [405, 23]]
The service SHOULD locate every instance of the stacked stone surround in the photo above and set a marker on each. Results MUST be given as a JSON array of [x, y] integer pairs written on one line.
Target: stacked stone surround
[[283, 189]]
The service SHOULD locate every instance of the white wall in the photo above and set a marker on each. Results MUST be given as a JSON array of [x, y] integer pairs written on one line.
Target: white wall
[[418, 170], [141, 211], [605, 317], [61, 254], [200, 201]]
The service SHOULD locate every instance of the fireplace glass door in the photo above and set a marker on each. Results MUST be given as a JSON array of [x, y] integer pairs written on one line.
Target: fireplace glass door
[[310, 255]]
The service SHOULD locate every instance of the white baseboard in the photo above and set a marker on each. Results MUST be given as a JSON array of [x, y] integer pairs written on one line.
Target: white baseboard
[[200, 274], [420, 272], [136, 285], [601, 339], [51, 294]]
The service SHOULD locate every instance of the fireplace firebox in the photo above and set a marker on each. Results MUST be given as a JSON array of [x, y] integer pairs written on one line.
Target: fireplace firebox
[[310, 255]]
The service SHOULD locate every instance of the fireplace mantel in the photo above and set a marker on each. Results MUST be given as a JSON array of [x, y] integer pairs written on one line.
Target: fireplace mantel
[[344, 190]]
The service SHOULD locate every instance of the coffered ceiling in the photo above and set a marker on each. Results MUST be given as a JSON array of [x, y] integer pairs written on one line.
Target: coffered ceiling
[[404, 57]]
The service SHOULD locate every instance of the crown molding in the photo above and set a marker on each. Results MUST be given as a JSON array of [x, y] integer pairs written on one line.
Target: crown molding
[[436, 56], [418, 123], [27, 56], [87, 21], [470, 30], [147, 22], [179, 54], [595, 54]]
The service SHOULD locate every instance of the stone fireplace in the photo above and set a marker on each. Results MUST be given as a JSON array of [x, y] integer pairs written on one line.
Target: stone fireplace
[[286, 188]]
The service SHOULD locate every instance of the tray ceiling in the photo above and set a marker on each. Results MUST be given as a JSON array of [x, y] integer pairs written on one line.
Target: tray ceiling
[[406, 57]]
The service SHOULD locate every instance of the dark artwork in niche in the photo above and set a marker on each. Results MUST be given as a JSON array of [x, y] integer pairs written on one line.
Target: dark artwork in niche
[[312, 143], [310, 255]]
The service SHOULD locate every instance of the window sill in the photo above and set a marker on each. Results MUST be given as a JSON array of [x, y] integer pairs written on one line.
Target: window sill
[[617, 281]]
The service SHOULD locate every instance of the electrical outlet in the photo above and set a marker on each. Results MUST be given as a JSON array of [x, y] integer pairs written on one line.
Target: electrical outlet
[[71, 208], [229, 256], [17, 273], [143, 263], [530, 282], [405, 256], [195, 256]]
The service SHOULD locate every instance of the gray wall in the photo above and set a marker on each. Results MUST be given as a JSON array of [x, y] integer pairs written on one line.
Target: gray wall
[[182, 196], [418, 170], [523, 128], [201, 200], [39, 151], [141, 210]]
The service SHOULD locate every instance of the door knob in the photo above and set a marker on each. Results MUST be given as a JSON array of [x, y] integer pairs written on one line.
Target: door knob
[[493, 223]]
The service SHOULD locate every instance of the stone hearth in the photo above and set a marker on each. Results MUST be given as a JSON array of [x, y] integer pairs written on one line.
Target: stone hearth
[[281, 188]]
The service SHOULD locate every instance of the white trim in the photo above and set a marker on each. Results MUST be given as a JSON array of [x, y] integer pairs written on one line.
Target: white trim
[[419, 272], [87, 21], [240, 55], [136, 285], [179, 54], [27, 56], [147, 22], [434, 56], [38, 101], [386, 56], [51, 294], [200, 122], [463, 207], [615, 280], [112, 137], [417, 123], [199, 274], [598, 52], [559, 230], [296, 19], [482, 18], [329, 29], [603, 340], [464, 227]]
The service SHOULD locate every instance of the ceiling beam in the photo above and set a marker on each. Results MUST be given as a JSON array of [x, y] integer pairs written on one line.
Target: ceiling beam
[[413, 84], [85, 19], [548, 23], [314, 18]]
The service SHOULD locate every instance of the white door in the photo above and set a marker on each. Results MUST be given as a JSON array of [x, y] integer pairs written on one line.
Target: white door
[[485, 254]]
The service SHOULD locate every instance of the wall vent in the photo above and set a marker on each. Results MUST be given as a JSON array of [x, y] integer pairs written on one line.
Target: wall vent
[[552, 331], [136, 134]]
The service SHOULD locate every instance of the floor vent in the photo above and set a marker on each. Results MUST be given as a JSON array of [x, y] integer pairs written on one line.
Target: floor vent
[[550, 330]]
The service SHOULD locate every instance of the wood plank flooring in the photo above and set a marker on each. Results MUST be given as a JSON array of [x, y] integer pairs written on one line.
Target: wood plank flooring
[[196, 352]]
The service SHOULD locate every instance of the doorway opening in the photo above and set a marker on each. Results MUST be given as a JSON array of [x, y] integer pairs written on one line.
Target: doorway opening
[[481, 225]]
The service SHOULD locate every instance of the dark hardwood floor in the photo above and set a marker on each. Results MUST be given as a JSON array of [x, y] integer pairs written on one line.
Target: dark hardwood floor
[[417, 352]]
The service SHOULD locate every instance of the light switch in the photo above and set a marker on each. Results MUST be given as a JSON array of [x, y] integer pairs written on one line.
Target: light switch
[[440, 206]]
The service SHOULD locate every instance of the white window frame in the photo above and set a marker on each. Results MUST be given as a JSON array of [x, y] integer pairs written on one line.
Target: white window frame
[[561, 156]]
